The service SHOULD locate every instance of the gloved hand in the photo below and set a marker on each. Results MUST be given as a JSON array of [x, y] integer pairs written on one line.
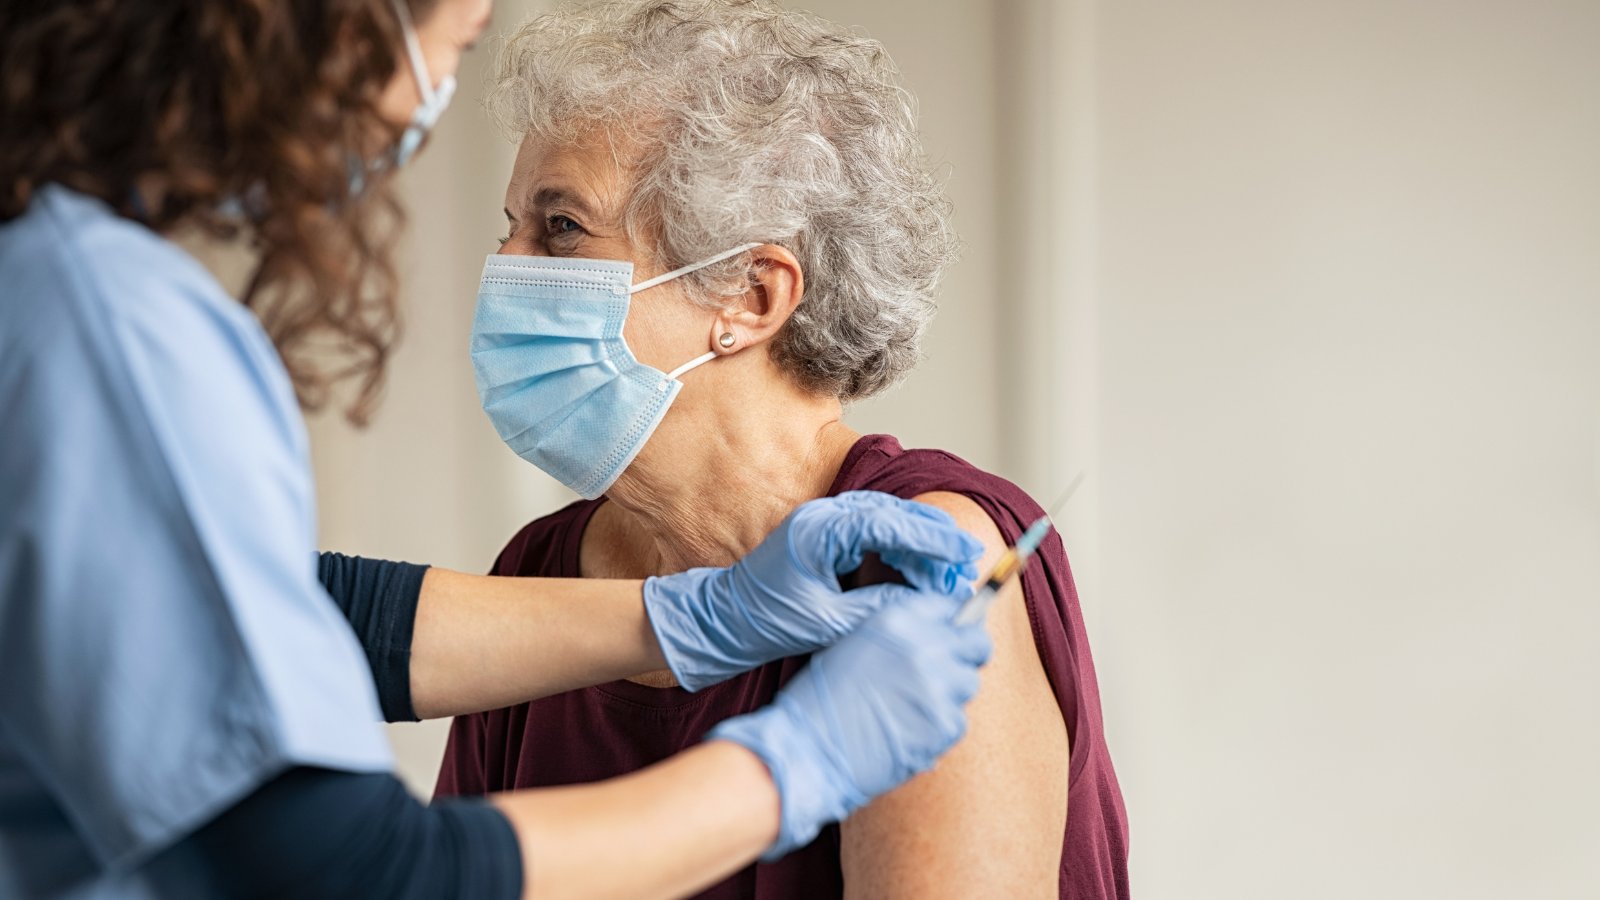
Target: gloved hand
[[865, 714], [784, 598]]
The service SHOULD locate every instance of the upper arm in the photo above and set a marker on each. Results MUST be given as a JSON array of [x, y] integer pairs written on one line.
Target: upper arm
[[988, 819]]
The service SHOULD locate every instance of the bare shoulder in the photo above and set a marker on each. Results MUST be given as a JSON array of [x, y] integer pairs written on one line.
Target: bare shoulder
[[988, 820], [1009, 624], [971, 517]]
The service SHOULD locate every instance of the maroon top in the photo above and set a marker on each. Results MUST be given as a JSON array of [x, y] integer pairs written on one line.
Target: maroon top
[[611, 729]]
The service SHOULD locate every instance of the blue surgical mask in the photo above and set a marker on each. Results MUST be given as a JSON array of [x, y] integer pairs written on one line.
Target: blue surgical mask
[[554, 373]]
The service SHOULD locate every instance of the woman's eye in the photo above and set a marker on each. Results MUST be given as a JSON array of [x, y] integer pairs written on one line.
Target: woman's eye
[[503, 240], [562, 225]]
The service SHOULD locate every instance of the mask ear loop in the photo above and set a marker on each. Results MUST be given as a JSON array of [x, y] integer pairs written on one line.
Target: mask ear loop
[[419, 64], [662, 279], [684, 270], [697, 361]]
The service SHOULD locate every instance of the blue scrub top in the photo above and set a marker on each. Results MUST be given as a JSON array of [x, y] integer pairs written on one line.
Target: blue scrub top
[[165, 646]]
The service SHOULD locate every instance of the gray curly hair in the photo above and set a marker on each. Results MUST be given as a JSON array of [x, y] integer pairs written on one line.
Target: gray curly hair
[[755, 124]]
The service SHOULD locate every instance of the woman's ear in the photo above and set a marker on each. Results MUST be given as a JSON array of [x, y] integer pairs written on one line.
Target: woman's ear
[[776, 286]]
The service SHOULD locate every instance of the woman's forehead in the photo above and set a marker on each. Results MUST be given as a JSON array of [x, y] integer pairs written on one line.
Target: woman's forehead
[[591, 171]]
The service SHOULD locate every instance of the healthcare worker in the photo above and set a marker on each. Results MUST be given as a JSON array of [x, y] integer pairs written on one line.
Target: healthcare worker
[[183, 711]]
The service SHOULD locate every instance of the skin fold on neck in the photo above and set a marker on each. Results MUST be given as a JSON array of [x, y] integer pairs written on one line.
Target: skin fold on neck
[[741, 447], [737, 453]]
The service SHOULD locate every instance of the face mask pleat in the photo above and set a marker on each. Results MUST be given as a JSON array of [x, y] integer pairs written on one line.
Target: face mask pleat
[[554, 374], [572, 385], [595, 441], [555, 354], [527, 440]]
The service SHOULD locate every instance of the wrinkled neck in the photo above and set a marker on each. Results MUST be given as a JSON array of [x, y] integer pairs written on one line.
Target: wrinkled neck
[[739, 449]]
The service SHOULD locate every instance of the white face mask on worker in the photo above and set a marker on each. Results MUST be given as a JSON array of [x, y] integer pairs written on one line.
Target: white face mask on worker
[[434, 100]]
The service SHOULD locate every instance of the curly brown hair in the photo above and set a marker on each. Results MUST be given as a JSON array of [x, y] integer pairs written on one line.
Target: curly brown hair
[[248, 117]]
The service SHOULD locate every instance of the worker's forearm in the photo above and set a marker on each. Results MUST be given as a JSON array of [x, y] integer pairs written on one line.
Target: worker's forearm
[[484, 642], [661, 832]]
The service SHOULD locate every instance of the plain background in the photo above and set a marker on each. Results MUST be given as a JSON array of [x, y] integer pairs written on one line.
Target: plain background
[[1311, 291]]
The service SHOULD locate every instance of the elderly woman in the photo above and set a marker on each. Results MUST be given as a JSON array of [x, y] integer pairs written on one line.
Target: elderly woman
[[776, 152]]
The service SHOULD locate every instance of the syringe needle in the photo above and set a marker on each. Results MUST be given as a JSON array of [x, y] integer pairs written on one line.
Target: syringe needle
[[1065, 496], [1013, 560]]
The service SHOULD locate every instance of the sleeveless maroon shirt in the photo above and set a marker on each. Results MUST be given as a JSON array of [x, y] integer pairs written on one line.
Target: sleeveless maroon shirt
[[612, 729]]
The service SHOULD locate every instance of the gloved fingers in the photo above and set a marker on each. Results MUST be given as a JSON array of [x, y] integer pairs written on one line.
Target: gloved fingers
[[918, 527], [829, 536], [932, 554], [869, 499], [972, 644], [870, 600], [932, 575], [923, 619], [868, 712], [951, 725], [931, 610], [927, 612], [964, 686], [946, 695]]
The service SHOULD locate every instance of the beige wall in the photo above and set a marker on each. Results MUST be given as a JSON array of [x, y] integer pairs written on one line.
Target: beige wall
[[1350, 380], [1312, 291]]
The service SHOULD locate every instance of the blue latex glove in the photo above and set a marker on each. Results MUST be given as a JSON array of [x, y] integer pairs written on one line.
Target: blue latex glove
[[865, 714], [784, 598]]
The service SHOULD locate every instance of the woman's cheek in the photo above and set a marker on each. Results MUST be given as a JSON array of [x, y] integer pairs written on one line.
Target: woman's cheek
[[660, 330]]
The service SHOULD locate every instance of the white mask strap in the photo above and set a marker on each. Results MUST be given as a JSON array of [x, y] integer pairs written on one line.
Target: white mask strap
[[697, 361], [419, 64], [661, 279]]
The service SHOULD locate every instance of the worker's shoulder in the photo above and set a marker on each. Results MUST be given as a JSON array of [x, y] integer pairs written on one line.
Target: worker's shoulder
[[100, 316], [71, 265]]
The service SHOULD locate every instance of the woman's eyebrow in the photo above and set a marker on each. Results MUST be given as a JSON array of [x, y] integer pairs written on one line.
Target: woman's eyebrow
[[555, 196]]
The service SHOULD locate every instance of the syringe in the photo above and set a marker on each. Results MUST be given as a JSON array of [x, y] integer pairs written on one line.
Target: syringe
[[1012, 561]]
